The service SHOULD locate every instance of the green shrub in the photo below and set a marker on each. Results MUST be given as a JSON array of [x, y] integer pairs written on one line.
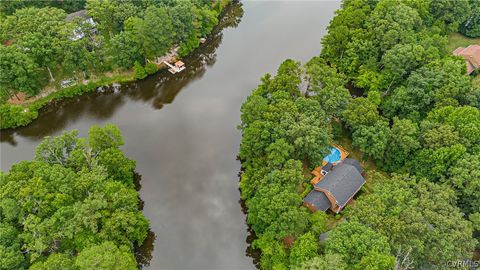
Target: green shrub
[[151, 68], [14, 116], [140, 72], [188, 46]]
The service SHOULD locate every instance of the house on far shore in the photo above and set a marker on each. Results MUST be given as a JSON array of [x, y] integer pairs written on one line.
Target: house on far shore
[[471, 54], [334, 185], [86, 19]]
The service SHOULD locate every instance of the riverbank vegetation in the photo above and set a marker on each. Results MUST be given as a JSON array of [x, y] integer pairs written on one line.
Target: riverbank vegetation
[[418, 120], [73, 207], [43, 47]]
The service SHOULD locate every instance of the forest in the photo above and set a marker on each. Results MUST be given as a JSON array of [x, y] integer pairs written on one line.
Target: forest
[[43, 48], [417, 120], [74, 206]]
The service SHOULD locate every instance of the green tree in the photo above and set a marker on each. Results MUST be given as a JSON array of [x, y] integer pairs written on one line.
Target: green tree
[[309, 139], [465, 120], [106, 256], [76, 194], [372, 140], [353, 241], [464, 177], [271, 205], [324, 262], [103, 138], [183, 19], [39, 48], [151, 68], [38, 33], [451, 14], [434, 164], [328, 85], [471, 26], [18, 73], [54, 262], [402, 143], [274, 255], [111, 15], [361, 112], [419, 216], [77, 57], [11, 256], [376, 261], [438, 82], [139, 71], [347, 24], [440, 136], [126, 49], [318, 222], [391, 23], [304, 249], [402, 59], [158, 32]]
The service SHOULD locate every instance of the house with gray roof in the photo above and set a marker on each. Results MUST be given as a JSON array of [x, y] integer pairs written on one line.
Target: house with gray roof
[[85, 19], [337, 187]]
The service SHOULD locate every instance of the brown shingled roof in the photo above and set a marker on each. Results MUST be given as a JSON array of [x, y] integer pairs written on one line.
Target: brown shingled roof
[[471, 54]]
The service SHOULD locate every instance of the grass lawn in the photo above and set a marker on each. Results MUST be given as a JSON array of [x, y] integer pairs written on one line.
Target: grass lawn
[[456, 40], [476, 80]]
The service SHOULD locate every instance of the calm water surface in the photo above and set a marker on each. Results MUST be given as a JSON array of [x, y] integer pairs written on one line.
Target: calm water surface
[[181, 130]]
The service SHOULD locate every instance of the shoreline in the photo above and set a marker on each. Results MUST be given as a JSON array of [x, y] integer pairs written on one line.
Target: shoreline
[[14, 116]]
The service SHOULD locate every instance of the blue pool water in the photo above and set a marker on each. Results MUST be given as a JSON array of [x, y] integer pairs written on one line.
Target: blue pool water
[[334, 155]]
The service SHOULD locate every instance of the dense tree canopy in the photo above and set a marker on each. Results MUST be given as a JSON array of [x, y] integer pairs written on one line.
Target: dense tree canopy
[[419, 216], [281, 128], [354, 241], [471, 26], [418, 119], [122, 33], [72, 207]]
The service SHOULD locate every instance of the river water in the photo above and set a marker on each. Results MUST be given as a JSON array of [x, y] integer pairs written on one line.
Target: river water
[[181, 130]]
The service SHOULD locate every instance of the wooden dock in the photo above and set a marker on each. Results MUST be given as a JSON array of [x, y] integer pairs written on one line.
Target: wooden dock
[[177, 67]]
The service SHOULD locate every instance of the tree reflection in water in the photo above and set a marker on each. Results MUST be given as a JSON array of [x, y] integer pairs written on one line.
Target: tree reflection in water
[[158, 90]]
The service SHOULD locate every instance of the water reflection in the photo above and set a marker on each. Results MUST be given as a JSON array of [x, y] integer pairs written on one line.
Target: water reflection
[[143, 253], [158, 90], [186, 151]]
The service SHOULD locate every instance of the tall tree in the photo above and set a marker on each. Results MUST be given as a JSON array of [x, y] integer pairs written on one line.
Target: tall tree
[[111, 15], [353, 241], [126, 49], [158, 31], [106, 256], [402, 143], [325, 262], [304, 249], [471, 26], [78, 206], [419, 216], [372, 140], [18, 73], [38, 33]]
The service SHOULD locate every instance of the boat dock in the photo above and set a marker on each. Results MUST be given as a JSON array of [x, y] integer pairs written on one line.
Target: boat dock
[[177, 67]]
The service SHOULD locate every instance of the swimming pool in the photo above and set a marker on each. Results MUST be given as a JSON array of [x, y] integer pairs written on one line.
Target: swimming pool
[[334, 155]]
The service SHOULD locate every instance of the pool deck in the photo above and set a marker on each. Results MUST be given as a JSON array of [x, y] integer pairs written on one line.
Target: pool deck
[[317, 171]]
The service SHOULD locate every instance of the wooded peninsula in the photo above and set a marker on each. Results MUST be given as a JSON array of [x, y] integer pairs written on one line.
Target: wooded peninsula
[[414, 124], [52, 50]]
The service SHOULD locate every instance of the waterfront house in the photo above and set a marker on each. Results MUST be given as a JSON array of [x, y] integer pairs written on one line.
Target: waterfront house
[[471, 54], [334, 185], [86, 20]]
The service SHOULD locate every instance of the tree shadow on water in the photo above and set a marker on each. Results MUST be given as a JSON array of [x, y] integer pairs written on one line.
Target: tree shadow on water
[[158, 90]]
